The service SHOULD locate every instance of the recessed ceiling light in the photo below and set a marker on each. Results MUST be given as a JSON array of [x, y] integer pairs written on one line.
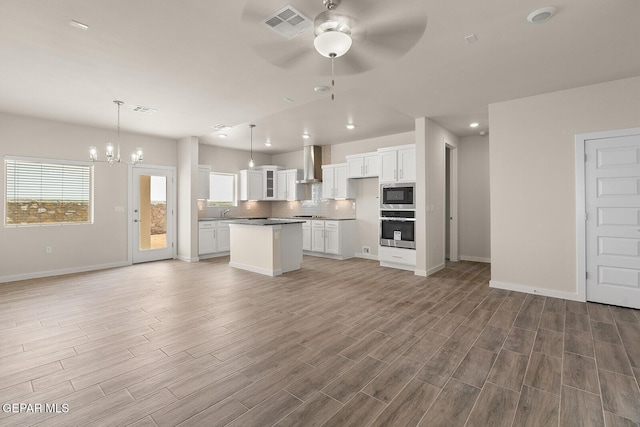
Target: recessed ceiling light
[[220, 127], [350, 126], [222, 135], [321, 89], [287, 100], [541, 15], [474, 125], [79, 25], [306, 135], [471, 38]]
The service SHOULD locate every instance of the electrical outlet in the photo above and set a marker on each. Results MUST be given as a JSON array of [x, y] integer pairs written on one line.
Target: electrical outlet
[[48, 249], [366, 250]]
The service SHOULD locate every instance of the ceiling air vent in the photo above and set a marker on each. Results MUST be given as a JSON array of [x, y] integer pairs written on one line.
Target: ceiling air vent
[[220, 127], [288, 22], [141, 109]]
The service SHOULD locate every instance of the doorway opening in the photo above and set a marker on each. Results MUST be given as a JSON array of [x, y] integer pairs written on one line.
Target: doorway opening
[[451, 204]]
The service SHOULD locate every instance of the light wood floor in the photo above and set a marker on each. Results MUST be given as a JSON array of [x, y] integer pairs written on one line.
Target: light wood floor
[[336, 343]]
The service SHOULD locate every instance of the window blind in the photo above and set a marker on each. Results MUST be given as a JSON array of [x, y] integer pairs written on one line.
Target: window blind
[[47, 192]]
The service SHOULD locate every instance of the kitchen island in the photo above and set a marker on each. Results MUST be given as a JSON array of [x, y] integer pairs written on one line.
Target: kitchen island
[[266, 246]]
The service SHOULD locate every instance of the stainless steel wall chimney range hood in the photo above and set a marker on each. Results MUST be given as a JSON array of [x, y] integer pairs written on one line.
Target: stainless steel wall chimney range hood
[[312, 165]]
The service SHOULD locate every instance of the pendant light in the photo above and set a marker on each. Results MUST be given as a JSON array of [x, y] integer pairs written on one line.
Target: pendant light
[[251, 164], [113, 153], [333, 35]]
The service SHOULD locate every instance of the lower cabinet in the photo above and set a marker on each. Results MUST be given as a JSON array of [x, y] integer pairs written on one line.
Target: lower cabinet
[[332, 239], [306, 236], [213, 239], [404, 259]]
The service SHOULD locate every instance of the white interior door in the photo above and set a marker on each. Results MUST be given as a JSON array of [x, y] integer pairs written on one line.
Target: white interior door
[[152, 213], [612, 200]]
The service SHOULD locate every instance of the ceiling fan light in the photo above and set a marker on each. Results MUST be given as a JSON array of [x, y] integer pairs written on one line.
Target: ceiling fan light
[[332, 43]]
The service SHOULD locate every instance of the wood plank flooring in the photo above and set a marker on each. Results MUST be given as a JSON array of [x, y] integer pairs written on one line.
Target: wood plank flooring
[[337, 343]]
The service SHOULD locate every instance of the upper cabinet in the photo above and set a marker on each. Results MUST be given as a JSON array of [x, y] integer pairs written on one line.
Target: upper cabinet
[[270, 182], [204, 171], [335, 182], [363, 165], [287, 186], [251, 182], [398, 164]]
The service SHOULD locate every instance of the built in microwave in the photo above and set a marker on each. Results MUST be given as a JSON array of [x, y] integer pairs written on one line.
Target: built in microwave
[[397, 196]]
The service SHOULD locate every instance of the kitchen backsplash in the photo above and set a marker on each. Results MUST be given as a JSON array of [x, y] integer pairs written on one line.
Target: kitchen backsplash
[[314, 206]]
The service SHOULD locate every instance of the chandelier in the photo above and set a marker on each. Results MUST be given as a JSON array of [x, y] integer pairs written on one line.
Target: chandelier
[[113, 153]]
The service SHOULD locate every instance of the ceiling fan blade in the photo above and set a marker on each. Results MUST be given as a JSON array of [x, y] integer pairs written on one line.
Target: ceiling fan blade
[[354, 62], [284, 54], [389, 41]]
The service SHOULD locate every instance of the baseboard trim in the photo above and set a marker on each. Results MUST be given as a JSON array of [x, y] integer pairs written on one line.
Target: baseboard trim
[[214, 255], [475, 259], [397, 266], [422, 273], [367, 256], [187, 259], [258, 270], [435, 269], [572, 296], [63, 271]]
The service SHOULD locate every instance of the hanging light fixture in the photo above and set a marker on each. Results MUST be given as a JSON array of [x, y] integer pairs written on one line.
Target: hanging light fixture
[[113, 153], [251, 164], [333, 35]]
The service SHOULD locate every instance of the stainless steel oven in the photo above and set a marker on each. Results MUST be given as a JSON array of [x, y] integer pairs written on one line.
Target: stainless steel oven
[[397, 228], [397, 196]]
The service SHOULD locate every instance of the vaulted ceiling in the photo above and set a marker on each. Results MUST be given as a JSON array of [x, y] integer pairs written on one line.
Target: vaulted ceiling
[[205, 62]]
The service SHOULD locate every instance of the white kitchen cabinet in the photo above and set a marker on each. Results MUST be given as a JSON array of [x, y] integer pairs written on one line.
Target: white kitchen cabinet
[[404, 259], [333, 239], [287, 186], [363, 165], [204, 174], [213, 239], [251, 185], [317, 236], [306, 236], [398, 164], [335, 182], [223, 238], [269, 181]]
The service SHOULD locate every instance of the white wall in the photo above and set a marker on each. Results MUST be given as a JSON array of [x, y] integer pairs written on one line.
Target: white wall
[[75, 247], [533, 242], [187, 154], [474, 212], [431, 139]]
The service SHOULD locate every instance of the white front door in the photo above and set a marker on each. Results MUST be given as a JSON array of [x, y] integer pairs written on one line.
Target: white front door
[[153, 224], [612, 200]]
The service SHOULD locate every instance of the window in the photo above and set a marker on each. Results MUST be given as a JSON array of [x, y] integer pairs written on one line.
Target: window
[[222, 189], [45, 191]]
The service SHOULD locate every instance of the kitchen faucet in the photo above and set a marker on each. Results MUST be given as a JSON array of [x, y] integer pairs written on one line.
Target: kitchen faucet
[[225, 212]]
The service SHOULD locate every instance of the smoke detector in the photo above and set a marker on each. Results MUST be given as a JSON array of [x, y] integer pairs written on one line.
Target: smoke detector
[[541, 15]]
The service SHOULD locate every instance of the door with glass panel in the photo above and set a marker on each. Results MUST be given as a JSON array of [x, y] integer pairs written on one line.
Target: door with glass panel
[[153, 225]]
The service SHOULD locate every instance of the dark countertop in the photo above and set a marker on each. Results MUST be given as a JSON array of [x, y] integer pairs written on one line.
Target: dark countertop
[[276, 218], [263, 222]]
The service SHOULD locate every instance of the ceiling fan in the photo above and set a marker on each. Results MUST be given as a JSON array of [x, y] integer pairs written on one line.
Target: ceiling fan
[[364, 34]]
